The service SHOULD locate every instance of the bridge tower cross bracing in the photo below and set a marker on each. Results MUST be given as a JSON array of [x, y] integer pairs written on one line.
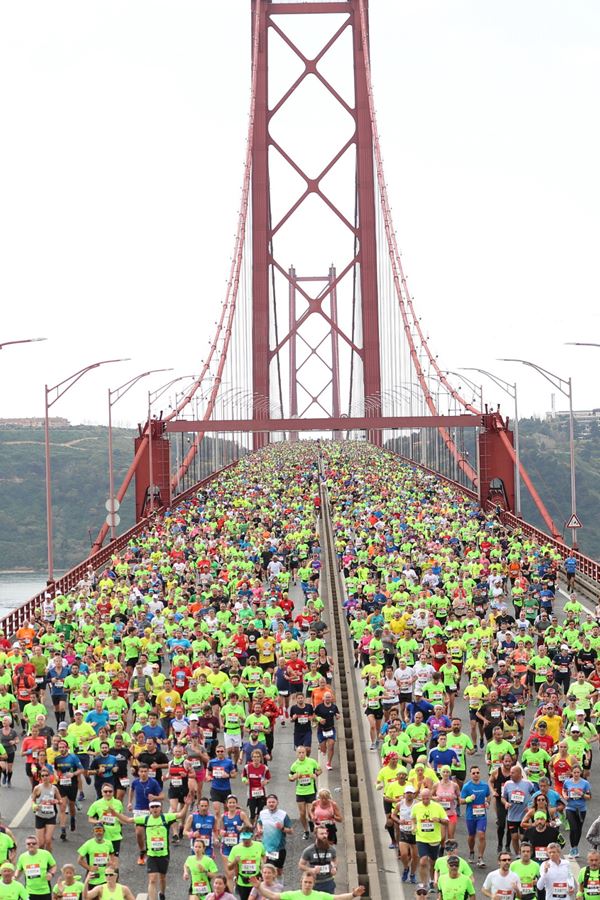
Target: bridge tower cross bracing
[[271, 348]]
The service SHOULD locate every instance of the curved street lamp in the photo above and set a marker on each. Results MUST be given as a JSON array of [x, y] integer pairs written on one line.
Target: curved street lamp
[[61, 389]]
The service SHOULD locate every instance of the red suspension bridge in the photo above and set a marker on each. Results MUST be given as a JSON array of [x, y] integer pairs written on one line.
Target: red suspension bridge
[[340, 349]]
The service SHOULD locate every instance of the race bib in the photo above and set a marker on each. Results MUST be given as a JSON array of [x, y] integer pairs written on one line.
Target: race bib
[[100, 859], [199, 888], [124, 782], [107, 819], [517, 797], [248, 867], [478, 809], [33, 871], [541, 853], [327, 734], [427, 827], [157, 843], [176, 782], [219, 772], [273, 856], [230, 840], [257, 792], [66, 780], [305, 780]]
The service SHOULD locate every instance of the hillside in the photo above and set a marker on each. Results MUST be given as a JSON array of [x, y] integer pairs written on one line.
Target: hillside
[[79, 490], [545, 455], [80, 486]]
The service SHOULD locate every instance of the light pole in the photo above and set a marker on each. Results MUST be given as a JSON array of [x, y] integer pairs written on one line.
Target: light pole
[[511, 390], [24, 341], [565, 386], [114, 396], [476, 388], [61, 388], [153, 396]]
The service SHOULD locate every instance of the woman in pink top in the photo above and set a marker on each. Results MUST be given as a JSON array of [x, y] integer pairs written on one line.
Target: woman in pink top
[[325, 811], [447, 793]]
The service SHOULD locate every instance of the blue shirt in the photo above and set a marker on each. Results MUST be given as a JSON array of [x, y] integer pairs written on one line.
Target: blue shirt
[[204, 826], [227, 766], [572, 791], [141, 790], [447, 757], [482, 792], [98, 720]]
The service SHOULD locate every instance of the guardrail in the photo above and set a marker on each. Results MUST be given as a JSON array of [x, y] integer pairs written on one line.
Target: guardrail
[[24, 613]]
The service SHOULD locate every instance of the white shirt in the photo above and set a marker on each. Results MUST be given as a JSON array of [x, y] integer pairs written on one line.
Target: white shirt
[[557, 880], [502, 886]]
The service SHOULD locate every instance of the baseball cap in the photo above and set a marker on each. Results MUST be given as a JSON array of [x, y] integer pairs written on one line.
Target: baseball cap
[[63, 726], [246, 835], [193, 718], [409, 789], [540, 814], [7, 865], [421, 889], [575, 728]]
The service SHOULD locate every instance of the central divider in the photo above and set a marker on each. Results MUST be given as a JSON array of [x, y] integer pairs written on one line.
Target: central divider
[[364, 866]]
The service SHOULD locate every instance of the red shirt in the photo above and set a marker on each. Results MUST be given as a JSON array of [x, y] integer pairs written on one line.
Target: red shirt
[[122, 688], [294, 670], [256, 775]]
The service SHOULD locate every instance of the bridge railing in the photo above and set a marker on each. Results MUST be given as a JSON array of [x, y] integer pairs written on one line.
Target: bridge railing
[[24, 613]]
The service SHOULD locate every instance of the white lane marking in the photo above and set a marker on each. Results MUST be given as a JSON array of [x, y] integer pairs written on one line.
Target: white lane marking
[[20, 815]]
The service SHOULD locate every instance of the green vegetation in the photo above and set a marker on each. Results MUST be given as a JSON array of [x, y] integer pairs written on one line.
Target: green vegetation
[[80, 485], [79, 489], [545, 455]]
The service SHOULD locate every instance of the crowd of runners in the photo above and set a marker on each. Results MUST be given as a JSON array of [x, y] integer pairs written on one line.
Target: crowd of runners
[[147, 704]]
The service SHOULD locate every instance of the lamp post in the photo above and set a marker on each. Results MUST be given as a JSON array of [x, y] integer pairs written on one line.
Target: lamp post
[[476, 388], [565, 386], [114, 396], [24, 341], [61, 388], [511, 390], [153, 396]]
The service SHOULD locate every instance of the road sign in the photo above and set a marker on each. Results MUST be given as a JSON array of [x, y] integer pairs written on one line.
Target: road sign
[[112, 505], [574, 522], [113, 519]]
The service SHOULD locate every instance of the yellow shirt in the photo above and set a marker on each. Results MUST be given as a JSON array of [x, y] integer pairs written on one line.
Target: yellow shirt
[[554, 725], [426, 831], [167, 700], [475, 694]]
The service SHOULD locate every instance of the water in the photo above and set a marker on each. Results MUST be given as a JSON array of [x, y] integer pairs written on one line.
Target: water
[[17, 587]]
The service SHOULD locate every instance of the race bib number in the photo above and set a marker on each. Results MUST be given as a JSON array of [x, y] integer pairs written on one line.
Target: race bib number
[[199, 888], [230, 840], [257, 792], [427, 827], [479, 809], [107, 819], [541, 853], [305, 780], [100, 859], [157, 844], [33, 871], [328, 734], [248, 867], [176, 782], [273, 856], [219, 772], [66, 780], [517, 797]]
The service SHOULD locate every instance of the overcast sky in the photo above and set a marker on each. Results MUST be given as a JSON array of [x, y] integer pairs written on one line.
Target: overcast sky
[[123, 137]]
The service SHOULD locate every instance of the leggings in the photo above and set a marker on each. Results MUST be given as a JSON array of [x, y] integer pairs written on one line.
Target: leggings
[[501, 813], [575, 818]]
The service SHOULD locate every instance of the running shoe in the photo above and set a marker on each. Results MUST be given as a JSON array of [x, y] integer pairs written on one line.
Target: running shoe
[[405, 873]]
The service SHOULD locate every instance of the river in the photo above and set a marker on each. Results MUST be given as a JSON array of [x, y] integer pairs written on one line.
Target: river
[[16, 587]]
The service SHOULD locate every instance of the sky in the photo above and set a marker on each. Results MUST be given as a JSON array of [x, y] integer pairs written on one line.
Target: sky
[[124, 125]]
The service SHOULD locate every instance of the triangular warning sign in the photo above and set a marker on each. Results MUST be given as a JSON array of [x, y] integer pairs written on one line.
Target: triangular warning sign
[[574, 522]]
